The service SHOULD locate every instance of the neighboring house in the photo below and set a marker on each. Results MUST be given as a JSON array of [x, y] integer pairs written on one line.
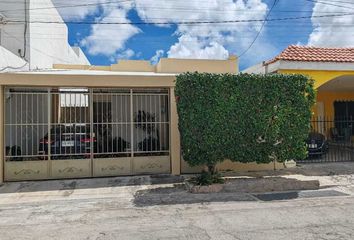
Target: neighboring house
[[333, 72], [23, 33], [331, 68], [103, 120]]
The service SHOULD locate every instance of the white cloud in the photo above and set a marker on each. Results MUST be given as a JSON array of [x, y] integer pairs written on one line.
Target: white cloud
[[108, 39], [204, 40], [192, 47], [332, 32], [159, 54], [79, 12], [126, 54], [194, 41], [122, 55]]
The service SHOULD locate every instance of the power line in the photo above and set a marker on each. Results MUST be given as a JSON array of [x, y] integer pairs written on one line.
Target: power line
[[260, 30], [352, 3], [158, 39], [168, 21], [331, 4], [202, 10], [161, 8], [23, 55], [70, 6], [13, 68], [184, 22]]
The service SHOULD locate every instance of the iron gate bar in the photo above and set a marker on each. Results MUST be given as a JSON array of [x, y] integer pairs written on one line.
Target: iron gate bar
[[337, 132], [71, 111]]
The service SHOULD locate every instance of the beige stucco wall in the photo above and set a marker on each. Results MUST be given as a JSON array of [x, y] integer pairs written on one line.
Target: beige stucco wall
[[83, 80], [175, 144], [133, 66], [165, 65], [1, 134], [227, 165], [173, 65]]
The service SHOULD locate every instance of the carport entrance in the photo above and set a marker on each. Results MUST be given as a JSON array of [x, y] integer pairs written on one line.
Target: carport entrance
[[332, 137], [85, 132]]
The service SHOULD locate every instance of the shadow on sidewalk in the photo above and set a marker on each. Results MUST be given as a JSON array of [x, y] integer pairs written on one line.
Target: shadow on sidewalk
[[89, 183]]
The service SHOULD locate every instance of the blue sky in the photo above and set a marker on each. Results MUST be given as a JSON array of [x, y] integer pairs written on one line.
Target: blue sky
[[105, 45]]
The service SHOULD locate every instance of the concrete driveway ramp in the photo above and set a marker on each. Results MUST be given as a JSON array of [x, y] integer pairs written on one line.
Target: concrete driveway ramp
[[294, 195]]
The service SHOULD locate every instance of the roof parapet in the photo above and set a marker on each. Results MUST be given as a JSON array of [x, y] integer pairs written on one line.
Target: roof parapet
[[133, 66], [165, 65]]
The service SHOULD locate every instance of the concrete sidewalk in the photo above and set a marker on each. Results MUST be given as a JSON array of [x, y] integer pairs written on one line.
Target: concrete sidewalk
[[106, 209]]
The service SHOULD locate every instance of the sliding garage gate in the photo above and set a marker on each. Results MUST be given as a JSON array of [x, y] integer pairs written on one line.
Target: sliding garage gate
[[53, 133]]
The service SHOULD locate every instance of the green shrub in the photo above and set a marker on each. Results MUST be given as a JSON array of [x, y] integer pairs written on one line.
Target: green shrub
[[208, 178], [244, 117]]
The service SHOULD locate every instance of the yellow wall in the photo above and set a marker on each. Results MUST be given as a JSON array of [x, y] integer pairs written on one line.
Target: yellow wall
[[328, 98], [320, 76]]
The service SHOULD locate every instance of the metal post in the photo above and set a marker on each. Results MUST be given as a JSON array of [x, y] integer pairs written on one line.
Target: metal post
[[2, 135], [131, 131], [49, 133], [91, 129]]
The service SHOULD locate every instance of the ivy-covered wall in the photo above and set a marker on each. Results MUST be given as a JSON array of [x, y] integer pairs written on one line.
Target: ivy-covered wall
[[244, 117]]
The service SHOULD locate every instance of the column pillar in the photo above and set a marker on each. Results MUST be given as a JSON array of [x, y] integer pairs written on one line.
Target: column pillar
[[175, 145], [2, 127]]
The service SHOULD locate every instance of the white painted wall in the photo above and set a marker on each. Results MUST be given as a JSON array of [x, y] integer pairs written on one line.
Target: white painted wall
[[12, 34], [258, 69], [298, 65], [46, 43], [10, 62], [49, 42]]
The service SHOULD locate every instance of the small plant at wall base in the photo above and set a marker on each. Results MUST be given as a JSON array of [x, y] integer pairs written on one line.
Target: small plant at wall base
[[244, 117], [208, 178]]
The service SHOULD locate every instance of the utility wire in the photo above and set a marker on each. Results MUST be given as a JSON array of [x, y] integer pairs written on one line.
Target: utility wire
[[70, 6], [260, 30], [23, 55], [331, 4], [186, 22], [13, 68], [333, 1]]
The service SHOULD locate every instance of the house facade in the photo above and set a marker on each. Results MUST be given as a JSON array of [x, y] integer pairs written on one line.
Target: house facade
[[91, 121], [332, 70]]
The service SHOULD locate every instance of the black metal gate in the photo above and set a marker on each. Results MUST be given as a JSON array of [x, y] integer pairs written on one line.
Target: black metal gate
[[330, 140]]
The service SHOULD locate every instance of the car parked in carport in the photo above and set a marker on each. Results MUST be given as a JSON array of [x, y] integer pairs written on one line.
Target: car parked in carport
[[317, 144], [67, 141]]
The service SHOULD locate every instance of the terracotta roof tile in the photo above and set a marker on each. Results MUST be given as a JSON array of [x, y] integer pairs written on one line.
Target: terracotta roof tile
[[315, 54]]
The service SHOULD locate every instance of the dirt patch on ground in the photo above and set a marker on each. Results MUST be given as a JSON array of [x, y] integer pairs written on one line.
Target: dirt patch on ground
[[256, 185], [180, 195], [237, 189]]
